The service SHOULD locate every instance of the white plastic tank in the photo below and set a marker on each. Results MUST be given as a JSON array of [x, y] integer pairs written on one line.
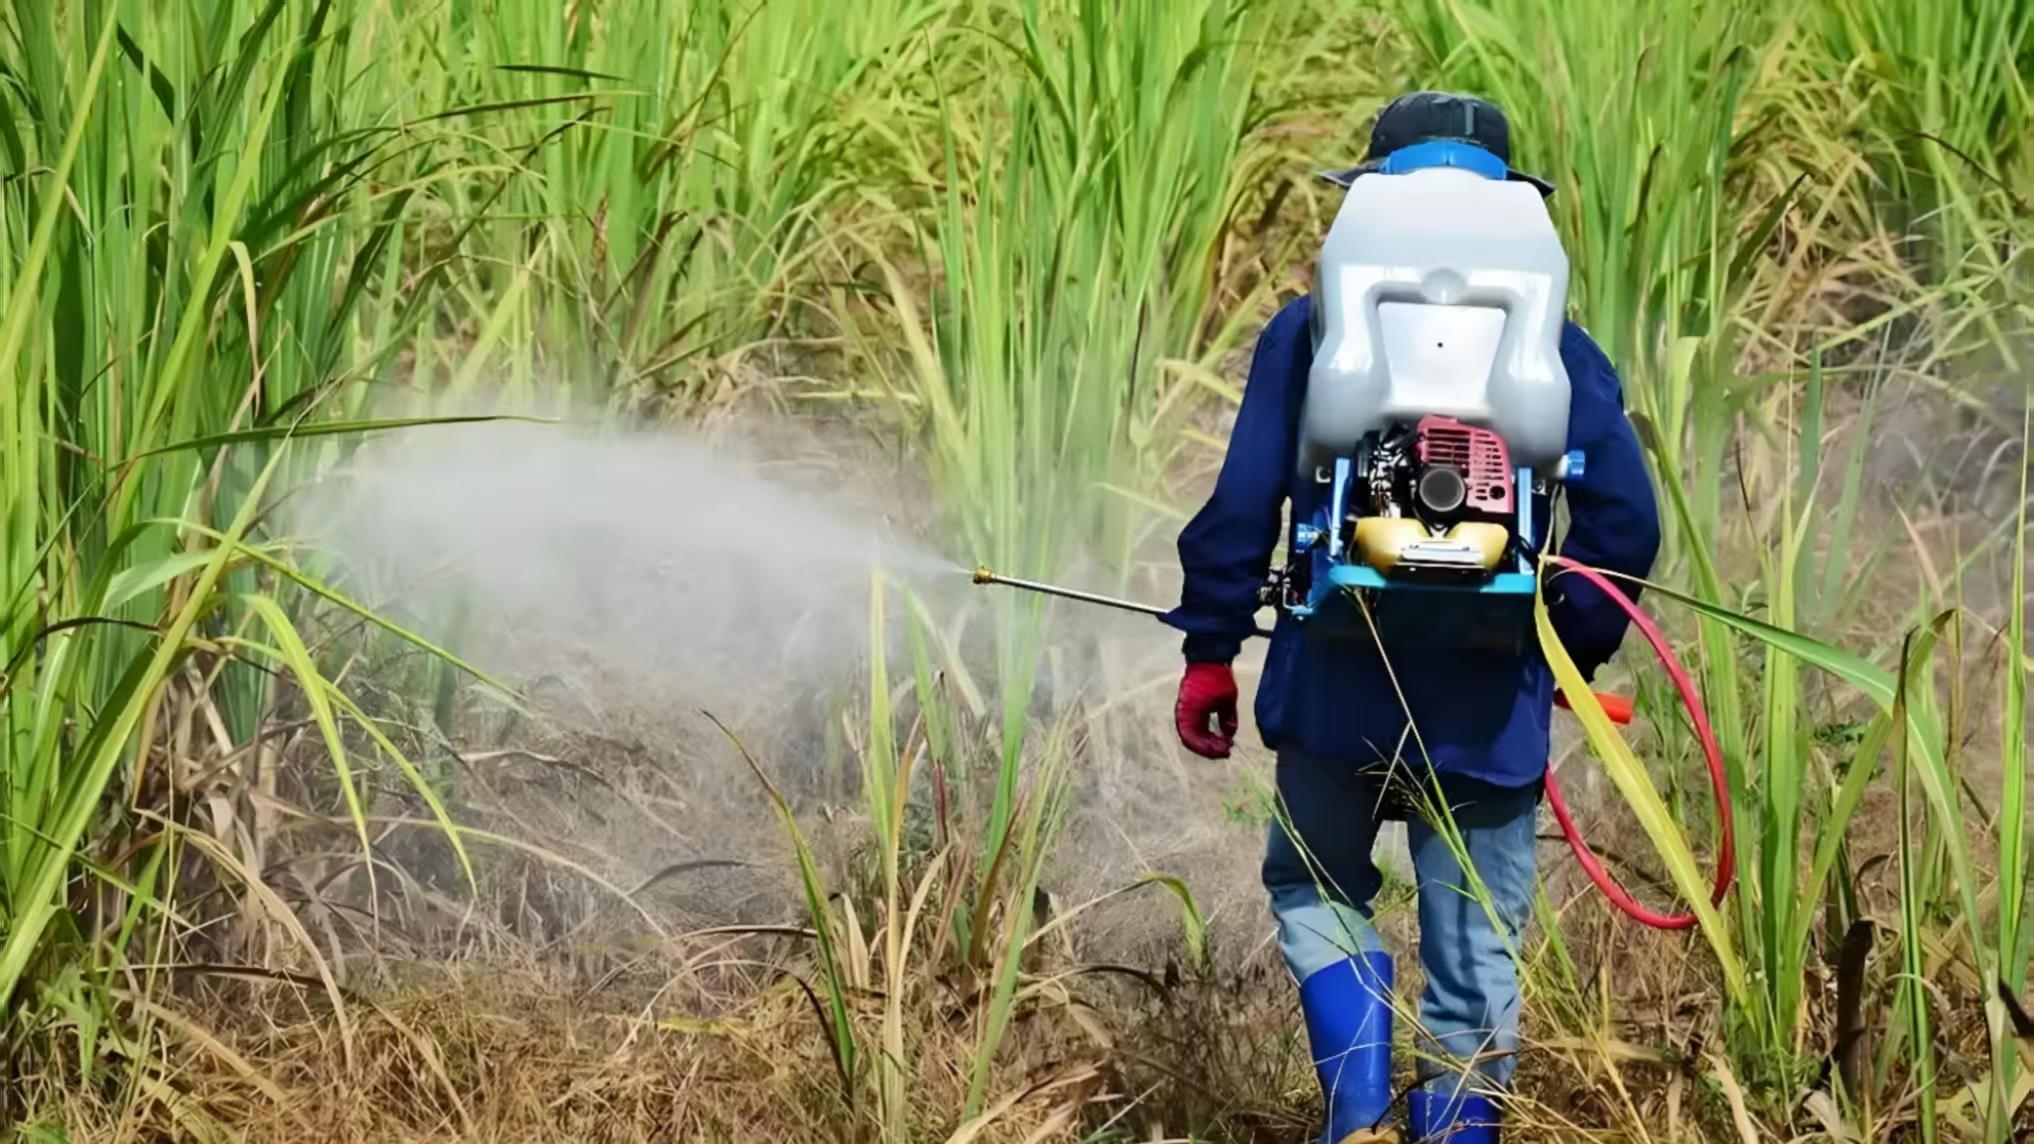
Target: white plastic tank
[[1439, 291]]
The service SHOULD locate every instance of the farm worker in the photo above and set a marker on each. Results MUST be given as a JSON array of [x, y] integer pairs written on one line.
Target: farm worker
[[1334, 715]]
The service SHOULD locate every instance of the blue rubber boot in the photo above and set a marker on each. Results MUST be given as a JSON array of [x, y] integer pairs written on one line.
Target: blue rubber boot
[[1348, 1012], [1446, 1116]]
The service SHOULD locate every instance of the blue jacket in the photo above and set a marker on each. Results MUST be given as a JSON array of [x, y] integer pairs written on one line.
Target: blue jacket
[[1485, 715]]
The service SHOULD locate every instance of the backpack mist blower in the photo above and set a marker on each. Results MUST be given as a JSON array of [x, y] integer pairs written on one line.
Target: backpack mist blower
[[1435, 417]]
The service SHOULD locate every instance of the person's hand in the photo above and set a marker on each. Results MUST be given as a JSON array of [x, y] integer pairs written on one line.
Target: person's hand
[[1207, 693]]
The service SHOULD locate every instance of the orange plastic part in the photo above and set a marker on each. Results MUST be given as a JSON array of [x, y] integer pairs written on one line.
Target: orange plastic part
[[1618, 707]]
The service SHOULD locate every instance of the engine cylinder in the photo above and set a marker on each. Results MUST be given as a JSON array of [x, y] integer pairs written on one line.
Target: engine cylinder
[[1441, 490]]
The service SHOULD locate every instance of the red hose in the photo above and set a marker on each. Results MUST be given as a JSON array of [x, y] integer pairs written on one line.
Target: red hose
[[1726, 857]]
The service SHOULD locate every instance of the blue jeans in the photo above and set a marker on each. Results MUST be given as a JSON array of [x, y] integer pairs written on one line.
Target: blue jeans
[[1321, 885]]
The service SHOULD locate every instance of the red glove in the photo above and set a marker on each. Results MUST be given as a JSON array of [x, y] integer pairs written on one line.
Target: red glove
[[1207, 690]]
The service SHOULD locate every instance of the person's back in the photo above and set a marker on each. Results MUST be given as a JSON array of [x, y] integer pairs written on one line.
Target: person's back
[[1341, 717]]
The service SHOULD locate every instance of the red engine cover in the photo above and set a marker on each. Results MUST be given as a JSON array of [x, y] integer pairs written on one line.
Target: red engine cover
[[1478, 454]]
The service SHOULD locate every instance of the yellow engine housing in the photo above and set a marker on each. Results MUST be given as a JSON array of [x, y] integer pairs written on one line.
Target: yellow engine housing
[[1392, 544]]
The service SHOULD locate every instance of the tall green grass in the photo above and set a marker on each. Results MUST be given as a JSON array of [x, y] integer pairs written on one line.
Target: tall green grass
[[1074, 257], [168, 309], [1074, 247], [661, 176], [1949, 102], [1029, 238]]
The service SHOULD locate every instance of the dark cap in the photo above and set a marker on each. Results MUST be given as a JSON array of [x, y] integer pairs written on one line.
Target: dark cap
[[1438, 116]]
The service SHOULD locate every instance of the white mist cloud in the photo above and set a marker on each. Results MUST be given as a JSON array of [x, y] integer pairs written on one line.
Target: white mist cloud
[[630, 568]]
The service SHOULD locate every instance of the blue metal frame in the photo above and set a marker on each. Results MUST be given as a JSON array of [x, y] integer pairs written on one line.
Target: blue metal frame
[[1345, 575], [1333, 574], [1335, 503]]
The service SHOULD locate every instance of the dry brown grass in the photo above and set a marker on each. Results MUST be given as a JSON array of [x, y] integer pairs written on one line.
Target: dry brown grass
[[577, 1024], [534, 1052], [530, 1053]]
